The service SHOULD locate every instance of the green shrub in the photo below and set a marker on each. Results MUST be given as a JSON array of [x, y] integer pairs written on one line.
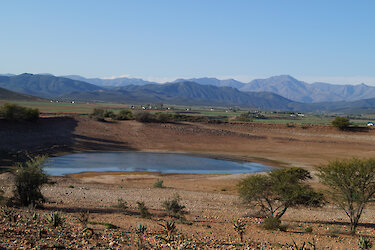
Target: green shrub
[[158, 184], [239, 227], [141, 229], [124, 115], [164, 117], [121, 204], [14, 112], [2, 199], [173, 207], [29, 180], [83, 218], [364, 243], [97, 114], [55, 219], [308, 229], [245, 117], [333, 231], [145, 116], [271, 223], [109, 114], [9, 214], [143, 210], [341, 123], [170, 230]]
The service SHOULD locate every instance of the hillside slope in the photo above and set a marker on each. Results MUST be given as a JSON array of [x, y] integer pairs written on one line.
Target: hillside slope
[[46, 86], [14, 96]]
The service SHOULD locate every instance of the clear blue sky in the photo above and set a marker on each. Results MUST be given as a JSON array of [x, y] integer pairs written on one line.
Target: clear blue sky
[[164, 39]]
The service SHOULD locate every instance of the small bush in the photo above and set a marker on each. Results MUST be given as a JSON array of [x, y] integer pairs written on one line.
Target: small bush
[[308, 229], [333, 231], [83, 218], [341, 123], [283, 227], [145, 116], [141, 229], [29, 180], [2, 199], [124, 115], [245, 117], [158, 184], [97, 114], [170, 230], [9, 214], [107, 225], [121, 204], [143, 210], [271, 223], [173, 207], [164, 117], [364, 243], [14, 112], [239, 227], [55, 219]]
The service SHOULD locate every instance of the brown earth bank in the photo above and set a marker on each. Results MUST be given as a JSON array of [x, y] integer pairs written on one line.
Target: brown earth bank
[[275, 144], [211, 200]]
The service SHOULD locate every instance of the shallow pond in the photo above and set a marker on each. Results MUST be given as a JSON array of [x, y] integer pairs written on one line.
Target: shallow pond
[[147, 162]]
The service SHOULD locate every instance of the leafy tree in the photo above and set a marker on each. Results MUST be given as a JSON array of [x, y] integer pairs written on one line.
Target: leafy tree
[[352, 185], [341, 123], [278, 190], [29, 180]]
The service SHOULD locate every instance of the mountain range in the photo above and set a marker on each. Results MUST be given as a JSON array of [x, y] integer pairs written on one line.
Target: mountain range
[[46, 86], [194, 92], [283, 85]]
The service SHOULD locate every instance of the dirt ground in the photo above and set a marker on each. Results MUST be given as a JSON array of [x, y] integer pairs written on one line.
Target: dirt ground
[[211, 200]]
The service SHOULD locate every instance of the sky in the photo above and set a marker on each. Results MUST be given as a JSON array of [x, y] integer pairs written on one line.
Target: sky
[[315, 40]]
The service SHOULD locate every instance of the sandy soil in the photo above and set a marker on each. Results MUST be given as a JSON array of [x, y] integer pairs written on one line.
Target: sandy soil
[[211, 200]]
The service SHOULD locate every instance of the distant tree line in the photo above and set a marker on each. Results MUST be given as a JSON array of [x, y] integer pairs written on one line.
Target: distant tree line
[[147, 117]]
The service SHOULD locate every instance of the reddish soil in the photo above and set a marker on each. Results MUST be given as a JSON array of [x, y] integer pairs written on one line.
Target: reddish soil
[[211, 200]]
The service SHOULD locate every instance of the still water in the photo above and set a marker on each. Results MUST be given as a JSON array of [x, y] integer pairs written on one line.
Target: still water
[[147, 162]]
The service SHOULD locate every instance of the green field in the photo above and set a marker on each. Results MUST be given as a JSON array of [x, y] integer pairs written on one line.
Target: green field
[[53, 107]]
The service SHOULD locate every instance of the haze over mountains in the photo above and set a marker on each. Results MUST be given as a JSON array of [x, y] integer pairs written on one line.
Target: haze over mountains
[[262, 93]]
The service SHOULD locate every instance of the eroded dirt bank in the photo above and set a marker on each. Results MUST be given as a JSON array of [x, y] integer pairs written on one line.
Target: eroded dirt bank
[[278, 144]]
